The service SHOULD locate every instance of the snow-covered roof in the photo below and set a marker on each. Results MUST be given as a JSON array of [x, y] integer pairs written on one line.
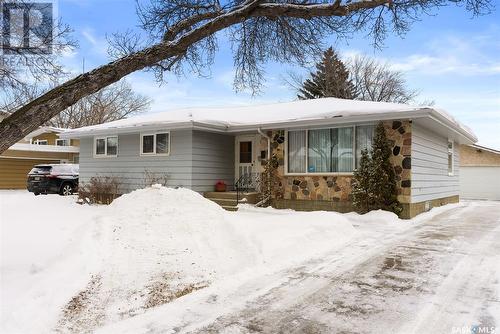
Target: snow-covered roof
[[44, 148], [44, 129], [267, 116], [484, 148]]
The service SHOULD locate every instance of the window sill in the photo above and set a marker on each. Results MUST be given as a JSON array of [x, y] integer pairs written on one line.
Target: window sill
[[154, 155], [321, 174], [104, 156]]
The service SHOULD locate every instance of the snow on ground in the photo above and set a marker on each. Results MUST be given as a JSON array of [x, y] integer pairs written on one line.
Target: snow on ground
[[42, 262], [77, 268]]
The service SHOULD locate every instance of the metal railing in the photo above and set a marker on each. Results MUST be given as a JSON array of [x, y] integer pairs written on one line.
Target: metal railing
[[245, 183]]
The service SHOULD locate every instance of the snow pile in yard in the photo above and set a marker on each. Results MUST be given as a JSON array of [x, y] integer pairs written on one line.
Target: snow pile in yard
[[158, 244], [79, 268], [44, 258]]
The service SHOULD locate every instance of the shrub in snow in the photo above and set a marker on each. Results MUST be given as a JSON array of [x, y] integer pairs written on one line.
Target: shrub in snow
[[152, 178], [361, 198], [374, 182], [269, 180], [100, 190]]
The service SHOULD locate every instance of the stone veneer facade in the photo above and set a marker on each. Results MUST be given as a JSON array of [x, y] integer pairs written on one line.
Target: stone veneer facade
[[332, 192]]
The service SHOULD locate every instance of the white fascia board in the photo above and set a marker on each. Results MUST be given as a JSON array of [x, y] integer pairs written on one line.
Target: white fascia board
[[437, 117], [479, 147], [144, 128], [44, 148], [44, 129]]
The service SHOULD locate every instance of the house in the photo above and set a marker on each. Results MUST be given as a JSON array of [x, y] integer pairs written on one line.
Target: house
[[480, 172], [42, 146], [317, 144]]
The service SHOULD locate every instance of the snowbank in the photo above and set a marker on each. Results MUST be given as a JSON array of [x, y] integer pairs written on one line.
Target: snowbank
[[42, 262], [157, 243], [76, 268]]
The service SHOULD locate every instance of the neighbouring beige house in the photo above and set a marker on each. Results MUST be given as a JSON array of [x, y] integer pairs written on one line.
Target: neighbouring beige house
[[317, 144], [42, 146], [480, 172]]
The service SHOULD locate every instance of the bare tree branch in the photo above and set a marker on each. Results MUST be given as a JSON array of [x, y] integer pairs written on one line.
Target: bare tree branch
[[261, 31], [376, 81]]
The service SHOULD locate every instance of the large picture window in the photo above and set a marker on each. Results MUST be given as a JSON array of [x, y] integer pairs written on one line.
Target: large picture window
[[297, 151], [155, 144], [106, 146], [364, 139], [331, 150]]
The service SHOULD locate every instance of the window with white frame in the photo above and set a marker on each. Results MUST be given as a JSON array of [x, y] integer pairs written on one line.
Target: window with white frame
[[364, 139], [41, 142], [62, 142], [106, 146], [155, 143], [450, 157], [331, 150]]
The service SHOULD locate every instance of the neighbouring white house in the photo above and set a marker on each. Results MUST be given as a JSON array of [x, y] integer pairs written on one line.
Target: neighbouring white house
[[317, 144], [480, 172]]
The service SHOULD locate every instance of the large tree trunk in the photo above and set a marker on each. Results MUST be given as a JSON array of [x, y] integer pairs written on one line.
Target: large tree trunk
[[29, 117]]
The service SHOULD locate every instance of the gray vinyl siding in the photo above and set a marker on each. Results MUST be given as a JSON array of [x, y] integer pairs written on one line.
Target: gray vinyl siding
[[429, 170], [129, 166], [213, 160], [197, 161]]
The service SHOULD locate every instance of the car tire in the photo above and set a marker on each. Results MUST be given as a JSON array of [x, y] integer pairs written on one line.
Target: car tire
[[36, 194], [66, 189]]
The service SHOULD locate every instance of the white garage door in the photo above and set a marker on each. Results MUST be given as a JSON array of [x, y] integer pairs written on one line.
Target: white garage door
[[480, 183]]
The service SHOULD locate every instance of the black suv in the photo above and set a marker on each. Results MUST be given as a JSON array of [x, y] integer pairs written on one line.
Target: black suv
[[53, 179]]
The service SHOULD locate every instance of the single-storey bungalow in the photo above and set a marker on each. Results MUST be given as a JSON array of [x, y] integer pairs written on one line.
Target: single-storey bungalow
[[317, 144]]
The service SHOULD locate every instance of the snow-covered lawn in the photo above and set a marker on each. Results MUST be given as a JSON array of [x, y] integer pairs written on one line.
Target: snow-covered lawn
[[76, 268]]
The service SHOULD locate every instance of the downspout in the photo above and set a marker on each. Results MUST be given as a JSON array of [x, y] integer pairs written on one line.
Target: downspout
[[259, 130]]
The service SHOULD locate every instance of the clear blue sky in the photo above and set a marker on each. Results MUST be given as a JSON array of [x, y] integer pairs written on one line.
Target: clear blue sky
[[450, 58]]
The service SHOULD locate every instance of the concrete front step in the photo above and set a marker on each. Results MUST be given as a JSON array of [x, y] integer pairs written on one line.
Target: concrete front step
[[224, 201], [230, 208], [228, 199]]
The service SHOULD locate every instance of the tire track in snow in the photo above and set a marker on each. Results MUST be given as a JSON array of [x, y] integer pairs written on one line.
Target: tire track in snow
[[426, 280]]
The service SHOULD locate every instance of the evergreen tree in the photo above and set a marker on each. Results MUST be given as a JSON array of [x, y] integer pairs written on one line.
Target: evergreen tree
[[383, 180], [374, 182], [331, 79], [361, 184]]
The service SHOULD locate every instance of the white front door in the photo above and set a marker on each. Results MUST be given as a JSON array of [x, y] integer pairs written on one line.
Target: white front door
[[245, 155]]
